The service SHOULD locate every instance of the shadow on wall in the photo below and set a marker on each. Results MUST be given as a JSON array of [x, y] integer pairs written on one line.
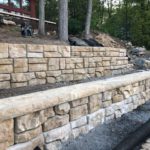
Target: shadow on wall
[[37, 148]]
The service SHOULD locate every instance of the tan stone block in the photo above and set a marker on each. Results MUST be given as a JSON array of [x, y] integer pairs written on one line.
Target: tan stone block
[[37, 67], [79, 102], [7, 132], [62, 63], [22, 77], [3, 50], [6, 61], [6, 68], [62, 109], [106, 63], [49, 112], [37, 60], [77, 77], [53, 73], [40, 75], [34, 55], [5, 85], [53, 64], [64, 51], [94, 103], [4, 146], [99, 49], [87, 54], [4, 77], [78, 112], [79, 65], [17, 50], [67, 77], [117, 98], [20, 65], [28, 135], [86, 62], [70, 66], [52, 55], [37, 81], [107, 103], [30, 121], [50, 48], [81, 49], [51, 80], [53, 146], [35, 48], [21, 84], [67, 71], [55, 122], [80, 71]]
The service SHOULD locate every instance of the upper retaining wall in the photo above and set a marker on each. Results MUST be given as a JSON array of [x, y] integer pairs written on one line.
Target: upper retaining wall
[[23, 65], [47, 118]]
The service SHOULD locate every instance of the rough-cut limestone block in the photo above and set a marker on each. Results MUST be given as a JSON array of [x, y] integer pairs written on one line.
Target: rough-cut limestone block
[[32, 144], [7, 132], [53, 73], [109, 111], [109, 118], [79, 71], [17, 50], [55, 122], [37, 81], [81, 49], [106, 63], [34, 55], [117, 98], [53, 64], [4, 84], [78, 112], [80, 76], [107, 103], [96, 118], [3, 50], [3, 146], [118, 114], [67, 77], [62, 133], [30, 121], [81, 130], [67, 71], [37, 67], [50, 48], [35, 48], [37, 60], [53, 146], [49, 112], [62, 109], [70, 66], [79, 122], [64, 51], [6, 68], [79, 102], [94, 103], [51, 80], [22, 77], [27, 135], [107, 96], [21, 84], [21, 65], [40, 75], [4, 77], [6, 61], [127, 91], [62, 63]]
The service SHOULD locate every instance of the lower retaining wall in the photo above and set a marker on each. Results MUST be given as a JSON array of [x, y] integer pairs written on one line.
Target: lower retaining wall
[[48, 118]]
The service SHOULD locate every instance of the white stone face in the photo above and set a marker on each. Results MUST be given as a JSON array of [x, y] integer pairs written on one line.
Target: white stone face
[[53, 146]]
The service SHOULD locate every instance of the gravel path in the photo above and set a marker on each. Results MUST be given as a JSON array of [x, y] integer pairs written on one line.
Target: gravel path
[[146, 146], [107, 136]]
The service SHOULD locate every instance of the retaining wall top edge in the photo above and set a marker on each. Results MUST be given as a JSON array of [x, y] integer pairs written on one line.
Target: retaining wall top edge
[[20, 105]]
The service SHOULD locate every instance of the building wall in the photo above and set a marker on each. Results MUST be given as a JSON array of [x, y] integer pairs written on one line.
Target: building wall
[[26, 65], [46, 119]]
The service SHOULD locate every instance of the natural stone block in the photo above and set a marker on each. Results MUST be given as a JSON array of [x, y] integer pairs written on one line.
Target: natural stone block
[[4, 77], [7, 132], [49, 112], [50, 48], [40, 75], [78, 112], [62, 63], [53, 64], [28, 135], [79, 102], [35, 55], [62, 109], [6, 61], [79, 122], [30, 121], [117, 98], [64, 51], [96, 118], [109, 111], [53, 73], [67, 71], [107, 96], [21, 65], [67, 77], [22, 77], [4, 84], [37, 81], [17, 50], [37, 60], [107, 103], [3, 50], [94, 103], [3, 146], [61, 133], [37, 67], [51, 80], [21, 84], [53, 146], [35, 48], [55, 122], [6, 68]]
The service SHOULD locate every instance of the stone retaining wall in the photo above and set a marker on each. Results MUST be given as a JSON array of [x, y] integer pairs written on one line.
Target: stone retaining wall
[[46, 119], [23, 65]]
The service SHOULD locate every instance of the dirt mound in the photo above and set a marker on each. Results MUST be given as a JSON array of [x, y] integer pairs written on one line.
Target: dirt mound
[[109, 41]]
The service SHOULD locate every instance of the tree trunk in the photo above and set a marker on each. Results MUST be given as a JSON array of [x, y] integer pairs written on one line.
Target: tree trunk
[[42, 17], [63, 20], [88, 19]]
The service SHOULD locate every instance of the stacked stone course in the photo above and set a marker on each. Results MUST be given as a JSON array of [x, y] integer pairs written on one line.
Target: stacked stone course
[[24, 65], [67, 117]]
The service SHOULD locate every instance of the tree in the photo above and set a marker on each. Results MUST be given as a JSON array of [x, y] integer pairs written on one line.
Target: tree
[[88, 19], [63, 20], [42, 17]]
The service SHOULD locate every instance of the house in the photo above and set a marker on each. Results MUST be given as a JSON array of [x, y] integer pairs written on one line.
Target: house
[[21, 7]]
